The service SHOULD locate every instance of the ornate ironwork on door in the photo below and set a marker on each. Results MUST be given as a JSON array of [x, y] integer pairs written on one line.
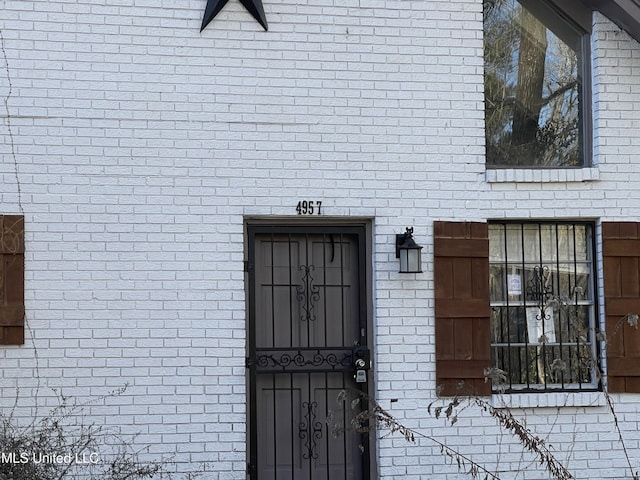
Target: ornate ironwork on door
[[311, 430], [307, 336], [308, 293]]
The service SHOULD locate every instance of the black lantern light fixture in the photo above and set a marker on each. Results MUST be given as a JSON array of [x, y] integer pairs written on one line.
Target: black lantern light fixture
[[409, 252]]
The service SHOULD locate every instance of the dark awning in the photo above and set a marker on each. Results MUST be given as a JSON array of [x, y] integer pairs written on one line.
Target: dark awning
[[624, 13]]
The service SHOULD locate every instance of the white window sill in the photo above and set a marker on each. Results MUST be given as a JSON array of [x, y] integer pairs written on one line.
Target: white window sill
[[548, 400], [536, 175]]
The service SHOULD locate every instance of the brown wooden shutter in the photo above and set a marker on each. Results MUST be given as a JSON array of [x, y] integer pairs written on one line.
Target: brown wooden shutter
[[621, 257], [11, 280], [461, 274]]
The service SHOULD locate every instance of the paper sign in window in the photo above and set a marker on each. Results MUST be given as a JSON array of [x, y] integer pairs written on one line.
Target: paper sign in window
[[539, 325], [514, 284]]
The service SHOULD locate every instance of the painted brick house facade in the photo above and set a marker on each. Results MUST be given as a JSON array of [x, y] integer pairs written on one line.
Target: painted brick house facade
[[152, 187]]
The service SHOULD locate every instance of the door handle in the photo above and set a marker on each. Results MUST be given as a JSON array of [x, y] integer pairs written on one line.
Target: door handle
[[361, 361], [361, 358]]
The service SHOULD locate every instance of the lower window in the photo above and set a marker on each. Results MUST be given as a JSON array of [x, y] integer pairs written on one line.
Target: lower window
[[542, 288]]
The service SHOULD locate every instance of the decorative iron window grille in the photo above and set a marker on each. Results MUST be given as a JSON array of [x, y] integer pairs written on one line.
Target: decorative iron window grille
[[542, 288]]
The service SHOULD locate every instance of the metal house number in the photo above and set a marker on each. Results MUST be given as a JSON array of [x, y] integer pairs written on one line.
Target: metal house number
[[309, 207]]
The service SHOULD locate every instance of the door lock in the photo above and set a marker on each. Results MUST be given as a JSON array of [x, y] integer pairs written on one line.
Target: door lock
[[360, 363]]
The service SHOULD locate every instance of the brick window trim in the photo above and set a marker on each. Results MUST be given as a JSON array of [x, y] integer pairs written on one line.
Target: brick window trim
[[531, 175]]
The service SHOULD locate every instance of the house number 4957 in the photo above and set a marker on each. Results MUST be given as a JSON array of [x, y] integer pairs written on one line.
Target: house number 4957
[[309, 207]]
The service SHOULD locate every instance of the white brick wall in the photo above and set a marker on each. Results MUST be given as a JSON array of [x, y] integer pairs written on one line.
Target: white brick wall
[[140, 146]]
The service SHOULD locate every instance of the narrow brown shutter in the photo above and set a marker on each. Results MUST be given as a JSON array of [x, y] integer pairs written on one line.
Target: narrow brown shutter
[[11, 280], [461, 274], [621, 256]]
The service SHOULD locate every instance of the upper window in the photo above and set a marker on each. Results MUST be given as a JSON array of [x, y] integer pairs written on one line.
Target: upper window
[[533, 80], [542, 305]]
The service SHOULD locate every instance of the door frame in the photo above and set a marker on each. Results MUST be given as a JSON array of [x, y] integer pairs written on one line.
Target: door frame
[[363, 227]]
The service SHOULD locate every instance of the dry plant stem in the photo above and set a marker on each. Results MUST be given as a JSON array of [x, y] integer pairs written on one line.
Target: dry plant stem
[[505, 418], [634, 475], [64, 433], [632, 320], [388, 421], [529, 441], [384, 420]]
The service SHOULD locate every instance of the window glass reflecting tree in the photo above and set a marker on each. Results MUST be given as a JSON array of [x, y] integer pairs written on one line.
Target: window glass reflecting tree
[[533, 86]]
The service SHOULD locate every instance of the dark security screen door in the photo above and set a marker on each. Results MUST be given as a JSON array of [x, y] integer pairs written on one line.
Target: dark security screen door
[[307, 327]]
